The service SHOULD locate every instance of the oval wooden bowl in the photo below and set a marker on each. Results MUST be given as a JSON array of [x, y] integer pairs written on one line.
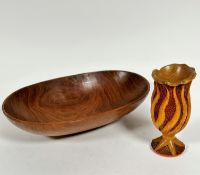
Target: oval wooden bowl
[[75, 103]]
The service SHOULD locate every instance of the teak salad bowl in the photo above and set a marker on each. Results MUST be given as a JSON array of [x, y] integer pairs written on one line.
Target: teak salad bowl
[[75, 103]]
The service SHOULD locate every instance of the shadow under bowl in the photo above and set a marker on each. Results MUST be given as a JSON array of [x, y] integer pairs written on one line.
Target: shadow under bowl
[[76, 103]]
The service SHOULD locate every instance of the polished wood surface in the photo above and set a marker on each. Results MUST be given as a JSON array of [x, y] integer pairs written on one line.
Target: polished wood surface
[[171, 107], [75, 103], [174, 74]]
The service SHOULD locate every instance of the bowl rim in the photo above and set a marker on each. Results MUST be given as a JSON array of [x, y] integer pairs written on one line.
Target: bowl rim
[[10, 117]]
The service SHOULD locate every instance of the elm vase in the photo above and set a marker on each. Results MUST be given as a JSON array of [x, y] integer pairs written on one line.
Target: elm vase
[[171, 106]]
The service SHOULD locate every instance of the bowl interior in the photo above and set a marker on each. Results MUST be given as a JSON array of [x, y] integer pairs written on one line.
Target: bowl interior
[[71, 98]]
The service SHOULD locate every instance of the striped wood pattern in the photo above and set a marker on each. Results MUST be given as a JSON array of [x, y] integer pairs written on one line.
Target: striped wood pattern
[[170, 112]]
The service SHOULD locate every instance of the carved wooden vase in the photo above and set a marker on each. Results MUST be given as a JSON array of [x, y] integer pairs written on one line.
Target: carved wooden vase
[[171, 106]]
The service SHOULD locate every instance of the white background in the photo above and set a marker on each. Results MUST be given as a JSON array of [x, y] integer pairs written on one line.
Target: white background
[[44, 39]]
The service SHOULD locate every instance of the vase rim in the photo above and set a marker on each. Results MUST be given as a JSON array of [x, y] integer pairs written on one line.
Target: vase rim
[[174, 74]]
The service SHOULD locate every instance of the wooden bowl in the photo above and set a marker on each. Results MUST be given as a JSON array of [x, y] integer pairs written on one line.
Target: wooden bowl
[[75, 103]]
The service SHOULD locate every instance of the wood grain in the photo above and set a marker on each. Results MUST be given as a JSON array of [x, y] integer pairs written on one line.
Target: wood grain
[[171, 106], [170, 114], [75, 103]]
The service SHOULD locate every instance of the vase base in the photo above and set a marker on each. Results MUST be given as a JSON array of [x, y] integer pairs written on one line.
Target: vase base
[[169, 147]]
